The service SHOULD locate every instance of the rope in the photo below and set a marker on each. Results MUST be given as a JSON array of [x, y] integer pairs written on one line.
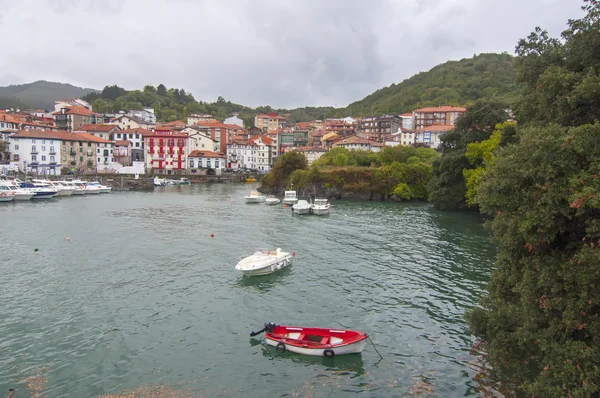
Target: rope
[[376, 350]]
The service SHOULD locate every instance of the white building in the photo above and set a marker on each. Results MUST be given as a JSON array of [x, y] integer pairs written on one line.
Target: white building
[[408, 121], [126, 122], [136, 137], [195, 118], [234, 120], [312, 153], [146, 115], [106, 161], [38, 151], [65, 103], [431, 135], [355, 143], [202, 162], [200, 140], [255, 153]]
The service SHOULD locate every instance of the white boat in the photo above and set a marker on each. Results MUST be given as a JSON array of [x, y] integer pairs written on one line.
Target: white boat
[[255, 197], [302, 207], [289, 198], [6, 194], [158, 182], [272, 200], [78, 189], [40, 190], [264, 262], [321, 207], [20, 193], [61, 190], [88, 188], [100, 187]]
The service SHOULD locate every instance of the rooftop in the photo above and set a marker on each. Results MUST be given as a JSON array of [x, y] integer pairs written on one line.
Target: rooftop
[[205, 154]]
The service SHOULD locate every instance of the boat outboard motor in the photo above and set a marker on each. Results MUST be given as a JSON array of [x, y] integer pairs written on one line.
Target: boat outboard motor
[[270, 326]]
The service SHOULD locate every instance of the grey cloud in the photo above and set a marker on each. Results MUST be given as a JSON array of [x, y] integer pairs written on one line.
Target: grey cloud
[[281, 53]]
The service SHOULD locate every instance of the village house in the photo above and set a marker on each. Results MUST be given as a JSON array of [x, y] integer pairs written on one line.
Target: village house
[[199, 139], [431, 135], [378, 127], [104, 131], [329, 139], [195, 118], [174, 125], [122, 152], [254, 153], [269, 122], [166, 151], [67, 103], [437, 116], [234, 120], [357, 144], [311, 153], [73, 118], [401, 137], [206, 162], [128, 122], [146, 115], [407, 121], [218, 132], [136, 137]]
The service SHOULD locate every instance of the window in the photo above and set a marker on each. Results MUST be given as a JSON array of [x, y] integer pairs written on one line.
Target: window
[[119, 135], [191, 162], [43, 158], [43, 149], [137, 144], [89, 144], [33, 140], [216, 164], [64, 148], [137, 136], [98, 160], [33, 158], [64, 158], [81, 158], [16, 147], [52, 159]]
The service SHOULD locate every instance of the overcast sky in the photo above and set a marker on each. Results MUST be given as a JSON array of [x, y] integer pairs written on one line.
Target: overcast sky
[[285, 53]]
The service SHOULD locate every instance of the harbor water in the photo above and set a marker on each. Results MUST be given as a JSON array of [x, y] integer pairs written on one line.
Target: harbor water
[[137, 292]]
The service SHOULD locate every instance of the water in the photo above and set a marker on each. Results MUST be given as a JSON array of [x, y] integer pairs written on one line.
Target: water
[[142, 296]]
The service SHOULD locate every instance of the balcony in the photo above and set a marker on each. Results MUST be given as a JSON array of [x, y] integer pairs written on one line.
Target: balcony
[[34, 151], [52, 152], [72, 152]]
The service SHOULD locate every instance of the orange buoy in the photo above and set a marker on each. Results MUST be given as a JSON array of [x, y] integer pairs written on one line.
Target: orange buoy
[[68, 239], [212, 235]]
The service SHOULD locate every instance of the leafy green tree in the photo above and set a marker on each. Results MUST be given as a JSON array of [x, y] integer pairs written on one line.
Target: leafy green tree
[[161, 90], [280, 173], [112, 92]]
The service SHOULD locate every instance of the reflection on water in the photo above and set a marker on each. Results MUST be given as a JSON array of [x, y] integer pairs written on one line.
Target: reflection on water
[[145, 296]]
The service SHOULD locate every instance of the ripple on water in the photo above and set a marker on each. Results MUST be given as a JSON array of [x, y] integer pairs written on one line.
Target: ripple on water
[[142, 301]]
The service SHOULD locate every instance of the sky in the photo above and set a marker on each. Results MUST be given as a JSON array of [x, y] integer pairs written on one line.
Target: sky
[[285, 53]]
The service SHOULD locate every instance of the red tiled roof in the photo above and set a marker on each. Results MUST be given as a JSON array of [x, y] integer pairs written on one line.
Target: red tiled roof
[[59, 135], [266, 140], [98, 127], [79, 110], [209, 123], [437, 127], [406, 114], [123, 143], [270, 116], [355, 140], [311, 149], [90, 137], [138, 130], [441, 109], [205, 154]]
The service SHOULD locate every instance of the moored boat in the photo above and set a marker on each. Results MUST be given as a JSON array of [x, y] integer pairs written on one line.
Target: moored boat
[[40, 190], [290, 198], [301, 207], [314, 341], [264, 262], [6, 194], [321, 207], [101, 188], [250, 179], [20, 193], [272, 200], [255, 197]]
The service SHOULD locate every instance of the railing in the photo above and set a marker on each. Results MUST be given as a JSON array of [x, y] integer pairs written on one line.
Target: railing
[[34, 151], [52, 152]]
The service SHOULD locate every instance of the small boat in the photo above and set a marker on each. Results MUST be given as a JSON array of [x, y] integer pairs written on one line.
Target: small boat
[[158, 182], [272, 200], [184, 181], [255, 197], [302, 207], [40, 190], [78, 189], [60, 189], [264, 262], [6, 194], [250, 179], [321, 207], [20, 193], [289, 198], [101, 188], [314, 341]]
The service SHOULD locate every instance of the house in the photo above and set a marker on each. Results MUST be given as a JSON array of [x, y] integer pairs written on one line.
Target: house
[[105, 161], [254, 153], [311, 153], [269, 122], [104, 131], [218, 132], [340, 127], [126, 122], [206, 162], [146, 115], [122, 152], [357, 144], [194, 118], [437, 116], [136, 137], [234, 120], [329, 139], [67, 103], [199, 139], [401, 137], [166, 151], [407, 121], [378, 127], [174, 125], [73, 118], [430, 135]]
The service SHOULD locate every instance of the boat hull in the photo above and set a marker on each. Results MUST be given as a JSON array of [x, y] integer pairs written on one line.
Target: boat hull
[[44, 195], [257, 265], [254, 200], [7, 198], [301, 211], [320, 211], [273, 201], [316, 341], [79, 192], [23, 196], [65, 192]]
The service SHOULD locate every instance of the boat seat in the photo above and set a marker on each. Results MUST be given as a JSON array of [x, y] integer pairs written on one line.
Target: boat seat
[[301, 336], [325, 340]]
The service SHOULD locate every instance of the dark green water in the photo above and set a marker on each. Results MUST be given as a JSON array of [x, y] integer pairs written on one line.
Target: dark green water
[[141, 295]]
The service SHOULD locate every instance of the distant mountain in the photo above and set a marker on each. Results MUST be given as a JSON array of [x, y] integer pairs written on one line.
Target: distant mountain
[[457, 83], [39, 95]]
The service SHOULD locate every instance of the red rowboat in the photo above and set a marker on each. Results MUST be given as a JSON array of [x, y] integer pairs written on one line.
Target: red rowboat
[[314, 341]]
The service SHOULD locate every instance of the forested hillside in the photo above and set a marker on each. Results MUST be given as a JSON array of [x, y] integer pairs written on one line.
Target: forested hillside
[[39, 95]]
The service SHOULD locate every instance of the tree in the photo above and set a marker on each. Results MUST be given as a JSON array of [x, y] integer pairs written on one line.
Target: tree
[[283, 168], [161, 90], [112, 92]]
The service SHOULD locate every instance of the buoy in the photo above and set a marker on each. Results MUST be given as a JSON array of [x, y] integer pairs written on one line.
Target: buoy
[[212, 235], [68, 239], [36, 249], [293, 254]]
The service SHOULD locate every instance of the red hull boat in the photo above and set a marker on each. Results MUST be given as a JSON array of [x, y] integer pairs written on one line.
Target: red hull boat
[[314, 341]]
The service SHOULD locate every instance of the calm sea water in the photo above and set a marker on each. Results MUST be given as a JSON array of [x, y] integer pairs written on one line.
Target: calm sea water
[[141, 296]]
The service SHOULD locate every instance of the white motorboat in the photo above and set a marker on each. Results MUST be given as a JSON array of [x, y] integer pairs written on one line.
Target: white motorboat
[[78, 189], [272, 200], [61, 190], [289, 198], [264, 262], [88, 188], [6, 194], [302, 207], [321, 207], [41, 190], [20, 193], [255, 197], [100, 187]]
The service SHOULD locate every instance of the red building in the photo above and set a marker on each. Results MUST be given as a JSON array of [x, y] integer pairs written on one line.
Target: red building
[[166, 151]]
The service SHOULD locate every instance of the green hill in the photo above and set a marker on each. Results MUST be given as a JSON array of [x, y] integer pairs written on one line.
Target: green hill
[[40, 94], [457, 83]]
